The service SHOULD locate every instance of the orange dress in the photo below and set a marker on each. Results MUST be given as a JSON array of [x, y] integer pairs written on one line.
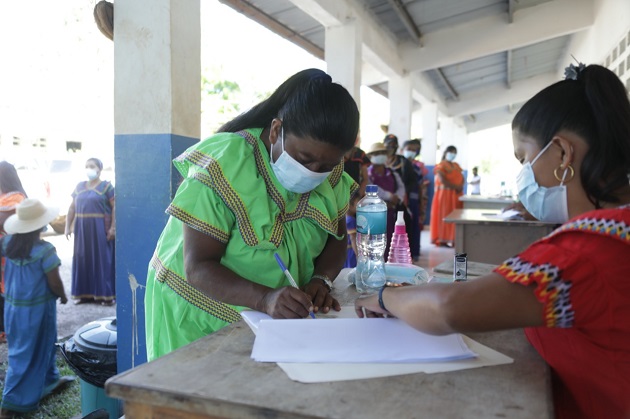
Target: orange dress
[[445, 200], [8, 202]]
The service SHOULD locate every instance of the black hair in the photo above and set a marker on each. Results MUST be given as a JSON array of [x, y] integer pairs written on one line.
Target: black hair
[[309, 105], [449, 149], [96, 161], [9, 179], [21, 245], [415, 141], [594, 106]]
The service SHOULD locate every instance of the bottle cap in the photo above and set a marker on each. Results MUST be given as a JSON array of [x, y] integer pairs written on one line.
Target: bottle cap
[[400, 221], [371, 188]]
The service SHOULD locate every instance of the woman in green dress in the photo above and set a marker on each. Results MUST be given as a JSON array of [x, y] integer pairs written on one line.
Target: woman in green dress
[[270, 181]]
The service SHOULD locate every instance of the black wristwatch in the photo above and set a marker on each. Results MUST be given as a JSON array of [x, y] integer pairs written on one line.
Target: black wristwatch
[[326, 281]]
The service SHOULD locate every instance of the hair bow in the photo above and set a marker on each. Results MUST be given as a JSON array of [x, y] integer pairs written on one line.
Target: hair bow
[[572, 72]]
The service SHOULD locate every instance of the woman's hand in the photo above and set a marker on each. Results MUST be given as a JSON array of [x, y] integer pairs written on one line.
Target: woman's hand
[[287, 303], [63, 299], [518, 206], [318, 291], [111, 234], [68, 233], [369, 304]]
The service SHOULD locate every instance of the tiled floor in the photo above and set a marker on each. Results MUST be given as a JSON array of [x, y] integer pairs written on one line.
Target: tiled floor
[[431, 255]]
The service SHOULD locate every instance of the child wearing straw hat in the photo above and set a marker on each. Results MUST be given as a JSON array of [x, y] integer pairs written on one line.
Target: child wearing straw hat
[[32, 286]]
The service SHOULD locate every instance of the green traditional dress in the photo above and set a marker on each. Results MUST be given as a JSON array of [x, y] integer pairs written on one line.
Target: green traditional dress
[[231, 193]]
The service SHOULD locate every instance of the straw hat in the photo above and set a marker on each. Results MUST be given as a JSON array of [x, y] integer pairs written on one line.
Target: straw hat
[[376, 147], [30, 215]]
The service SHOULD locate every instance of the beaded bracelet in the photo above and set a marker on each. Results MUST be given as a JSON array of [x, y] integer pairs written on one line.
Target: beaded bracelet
[[380, 297]]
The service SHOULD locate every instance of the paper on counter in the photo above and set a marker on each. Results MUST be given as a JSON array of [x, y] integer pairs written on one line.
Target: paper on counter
[[352, 341], [505, 215], [319, 373]]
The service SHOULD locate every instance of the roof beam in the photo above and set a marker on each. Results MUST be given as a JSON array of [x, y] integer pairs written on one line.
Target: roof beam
[[379, 46], [257, 15], [487, 98], [407, 20], [491, 35]]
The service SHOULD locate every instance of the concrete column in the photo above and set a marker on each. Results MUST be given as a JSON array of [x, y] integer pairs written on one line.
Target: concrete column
[[400, 109], [343, 56], [429, 148], [429, 134], [157, 103]]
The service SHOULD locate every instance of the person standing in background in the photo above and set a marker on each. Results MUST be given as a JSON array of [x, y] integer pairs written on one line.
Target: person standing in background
[[33, 286], [11, 194], [417, 198], [390, 187], [355, 163], [449, 184], [93, 212], [404, 168], [351, 228], [475, 182]]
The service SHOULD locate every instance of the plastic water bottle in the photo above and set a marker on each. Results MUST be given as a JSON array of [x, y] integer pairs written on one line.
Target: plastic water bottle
[[399, 248], [371, 241]]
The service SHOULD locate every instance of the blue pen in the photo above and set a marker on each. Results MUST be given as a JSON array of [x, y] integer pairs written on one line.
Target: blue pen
[[289, 276]]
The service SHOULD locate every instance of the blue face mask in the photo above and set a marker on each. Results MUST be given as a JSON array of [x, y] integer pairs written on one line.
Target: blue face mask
[[545, 204], [91, 173], [293, 175], [450, 156]]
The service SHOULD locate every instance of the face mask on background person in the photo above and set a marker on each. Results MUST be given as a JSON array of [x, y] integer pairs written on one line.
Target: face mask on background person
[[450, 156], [91, 173], [379, 159], [292, 174], [545, 204], [410, 154]]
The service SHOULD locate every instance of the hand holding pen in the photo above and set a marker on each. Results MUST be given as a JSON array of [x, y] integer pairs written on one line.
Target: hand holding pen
[[290, 278]]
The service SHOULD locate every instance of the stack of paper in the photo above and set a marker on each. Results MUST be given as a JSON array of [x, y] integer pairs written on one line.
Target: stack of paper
[[352, 341], [310, 371]]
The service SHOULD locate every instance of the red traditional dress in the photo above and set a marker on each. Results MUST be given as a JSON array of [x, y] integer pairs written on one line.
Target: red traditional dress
[[445, 200], [582, 276]]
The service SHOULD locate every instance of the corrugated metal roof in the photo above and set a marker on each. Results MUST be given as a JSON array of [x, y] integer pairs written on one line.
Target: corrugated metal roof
[[416, 23]]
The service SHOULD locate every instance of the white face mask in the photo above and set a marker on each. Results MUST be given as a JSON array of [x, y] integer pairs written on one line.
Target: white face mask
[[293, 175], [91, 173], [545, 204], [410, 154], [380, 159], [450, 156]]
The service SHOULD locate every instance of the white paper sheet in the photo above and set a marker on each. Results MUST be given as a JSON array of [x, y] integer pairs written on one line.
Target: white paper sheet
[[355, 340], [319, 373], [326, 372]]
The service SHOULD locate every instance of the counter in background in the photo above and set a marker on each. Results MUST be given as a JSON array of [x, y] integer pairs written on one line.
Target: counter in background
[[486, 238], [485, 202]]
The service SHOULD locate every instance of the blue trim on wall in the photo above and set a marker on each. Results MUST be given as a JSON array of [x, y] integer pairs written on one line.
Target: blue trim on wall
[[146, 181]]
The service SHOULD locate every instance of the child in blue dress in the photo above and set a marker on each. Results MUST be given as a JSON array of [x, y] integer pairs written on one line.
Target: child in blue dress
[[32, 287]]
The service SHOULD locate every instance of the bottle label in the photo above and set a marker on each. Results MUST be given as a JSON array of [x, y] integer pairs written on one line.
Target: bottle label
[[371, 222]]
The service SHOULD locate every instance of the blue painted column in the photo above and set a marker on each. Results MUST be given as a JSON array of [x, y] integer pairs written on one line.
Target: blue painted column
[[157, 116]]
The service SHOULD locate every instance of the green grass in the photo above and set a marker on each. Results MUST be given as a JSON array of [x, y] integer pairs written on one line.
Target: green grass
[[62, 405]]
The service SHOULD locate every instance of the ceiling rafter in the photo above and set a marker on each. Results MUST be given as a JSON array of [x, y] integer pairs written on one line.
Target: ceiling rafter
[[407, 20]]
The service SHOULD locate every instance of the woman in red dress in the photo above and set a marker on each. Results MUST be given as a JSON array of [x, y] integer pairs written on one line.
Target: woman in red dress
[[570, 290], [449, 186]]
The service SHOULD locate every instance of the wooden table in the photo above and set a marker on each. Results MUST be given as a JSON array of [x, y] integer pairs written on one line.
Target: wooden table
[[488, 239], [215, 377], [485, 202]]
